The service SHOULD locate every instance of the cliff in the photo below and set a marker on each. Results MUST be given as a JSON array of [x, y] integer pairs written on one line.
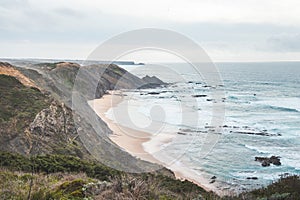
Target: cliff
[[38, 134], [9, 70], [40, 121]]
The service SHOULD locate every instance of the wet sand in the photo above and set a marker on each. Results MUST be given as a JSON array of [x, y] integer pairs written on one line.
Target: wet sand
[[134, 145]]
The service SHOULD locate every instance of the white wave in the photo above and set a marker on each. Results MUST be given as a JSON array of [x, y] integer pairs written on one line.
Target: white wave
[[288, 103]]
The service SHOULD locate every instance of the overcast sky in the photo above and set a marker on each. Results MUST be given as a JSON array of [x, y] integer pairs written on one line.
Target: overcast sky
[[228, 30]]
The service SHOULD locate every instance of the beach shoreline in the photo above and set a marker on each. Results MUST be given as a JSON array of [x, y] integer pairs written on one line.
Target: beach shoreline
[[134, 145]]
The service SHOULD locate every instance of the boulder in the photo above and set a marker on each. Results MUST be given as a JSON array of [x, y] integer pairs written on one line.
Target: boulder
[[265, 161]]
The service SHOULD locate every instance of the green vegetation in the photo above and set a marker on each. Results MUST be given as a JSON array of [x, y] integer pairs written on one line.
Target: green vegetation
[[287, 188], [18, 104], [56, 163], [100, 182], [116, 69], [68, 177], [18, 185], [49, 66]]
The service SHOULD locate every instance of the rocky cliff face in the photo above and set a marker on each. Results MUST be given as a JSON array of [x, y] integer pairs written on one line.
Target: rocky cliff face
[[40, 121], [59, 78], [32, 122], [53, 131]]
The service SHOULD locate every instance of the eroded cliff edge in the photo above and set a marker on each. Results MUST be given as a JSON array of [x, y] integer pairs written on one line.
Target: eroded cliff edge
[[36, 115]]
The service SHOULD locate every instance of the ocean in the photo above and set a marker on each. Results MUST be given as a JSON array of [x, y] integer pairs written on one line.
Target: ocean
[[262, 118]]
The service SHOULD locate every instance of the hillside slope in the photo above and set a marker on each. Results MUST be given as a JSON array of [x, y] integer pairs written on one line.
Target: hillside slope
[[50, 127], [38, 133]]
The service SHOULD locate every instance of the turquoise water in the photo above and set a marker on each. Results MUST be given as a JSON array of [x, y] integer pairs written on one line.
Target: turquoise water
[[260, 98]]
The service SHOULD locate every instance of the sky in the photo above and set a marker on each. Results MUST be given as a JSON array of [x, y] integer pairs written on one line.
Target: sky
[[228, 30]]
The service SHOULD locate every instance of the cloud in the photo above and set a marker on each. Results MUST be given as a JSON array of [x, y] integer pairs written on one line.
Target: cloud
[[229, 11], [224, 28], [285, 43], [69, 12], [13, 3]]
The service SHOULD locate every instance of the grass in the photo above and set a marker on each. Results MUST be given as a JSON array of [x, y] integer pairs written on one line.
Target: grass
[[16, 185], [100, 182]]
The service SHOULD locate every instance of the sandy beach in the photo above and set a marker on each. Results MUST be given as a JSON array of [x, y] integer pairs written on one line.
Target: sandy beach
[[134, 145]]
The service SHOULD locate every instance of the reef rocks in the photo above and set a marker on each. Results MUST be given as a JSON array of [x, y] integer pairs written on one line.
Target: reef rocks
[[199, 95], [252, 178], [265, 161]]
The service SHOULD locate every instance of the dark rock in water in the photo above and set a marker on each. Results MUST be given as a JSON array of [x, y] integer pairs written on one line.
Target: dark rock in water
[[275, 160], [199, 95], [265, 161], [253, 178], [212, 181], [149, 85], [154, 93], [250, 132], [209, 127]]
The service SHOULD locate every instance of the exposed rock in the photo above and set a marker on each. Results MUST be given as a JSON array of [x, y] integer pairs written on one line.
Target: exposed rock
[[152, 79], [199, 95], [253, 178], [265, 161], [212, 181], [151, 82], [53, 130], [248, 132], [153, 93], [275, 160], [209, 127]]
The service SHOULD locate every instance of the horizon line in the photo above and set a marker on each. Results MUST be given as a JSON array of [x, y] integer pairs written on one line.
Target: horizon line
[[145, 62]]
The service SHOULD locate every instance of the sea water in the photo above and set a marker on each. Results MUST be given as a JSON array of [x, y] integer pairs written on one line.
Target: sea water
[[262, 118]]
